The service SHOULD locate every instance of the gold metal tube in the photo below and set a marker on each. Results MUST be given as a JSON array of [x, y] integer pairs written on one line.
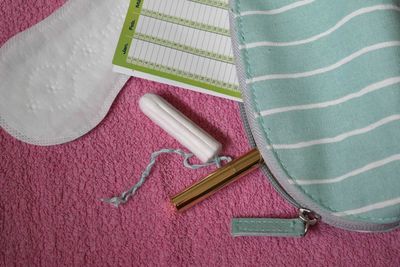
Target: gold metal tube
[[217, 180]]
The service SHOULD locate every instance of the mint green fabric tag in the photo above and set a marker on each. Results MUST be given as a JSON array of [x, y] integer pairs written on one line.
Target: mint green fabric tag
[[268, 227]]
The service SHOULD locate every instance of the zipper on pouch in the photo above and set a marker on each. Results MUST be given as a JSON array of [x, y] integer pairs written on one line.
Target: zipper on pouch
[[296, 227], [276, 227]]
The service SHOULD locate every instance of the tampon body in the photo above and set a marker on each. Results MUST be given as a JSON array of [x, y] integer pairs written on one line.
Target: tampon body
[[186, 132]]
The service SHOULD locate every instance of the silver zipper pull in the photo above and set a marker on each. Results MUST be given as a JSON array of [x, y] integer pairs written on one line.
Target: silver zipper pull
[[309, 218]]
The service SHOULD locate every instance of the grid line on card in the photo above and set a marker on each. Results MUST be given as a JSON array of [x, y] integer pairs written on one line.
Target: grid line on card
[[190, 63], [184, 48], [215, 3], [185, 22], [172, 70]]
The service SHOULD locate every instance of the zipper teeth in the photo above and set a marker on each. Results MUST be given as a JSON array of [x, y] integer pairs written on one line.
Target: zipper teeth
[[264, 166], [278, 187], [285, 194]]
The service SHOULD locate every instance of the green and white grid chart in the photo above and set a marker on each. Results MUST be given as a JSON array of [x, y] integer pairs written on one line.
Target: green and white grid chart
[[185, 43]]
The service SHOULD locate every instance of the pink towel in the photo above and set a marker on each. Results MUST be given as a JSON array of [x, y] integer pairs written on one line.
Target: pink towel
[[50, 213]]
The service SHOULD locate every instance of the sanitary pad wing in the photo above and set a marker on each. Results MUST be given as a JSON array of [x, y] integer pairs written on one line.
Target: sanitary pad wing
[[56, 77]]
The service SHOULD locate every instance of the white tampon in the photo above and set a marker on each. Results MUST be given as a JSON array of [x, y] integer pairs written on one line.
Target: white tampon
[[162, 113]]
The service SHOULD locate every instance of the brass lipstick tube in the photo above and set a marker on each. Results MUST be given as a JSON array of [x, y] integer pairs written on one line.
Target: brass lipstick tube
[[217, 180]]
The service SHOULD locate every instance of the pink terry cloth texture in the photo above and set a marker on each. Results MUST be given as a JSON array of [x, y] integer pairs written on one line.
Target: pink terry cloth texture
[[51, 215]]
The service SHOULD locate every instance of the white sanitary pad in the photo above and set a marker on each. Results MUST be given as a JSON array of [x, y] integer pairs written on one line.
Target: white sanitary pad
[[56, 79]]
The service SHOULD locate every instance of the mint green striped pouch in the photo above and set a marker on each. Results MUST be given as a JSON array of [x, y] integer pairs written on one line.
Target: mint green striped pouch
[[321, 86]]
